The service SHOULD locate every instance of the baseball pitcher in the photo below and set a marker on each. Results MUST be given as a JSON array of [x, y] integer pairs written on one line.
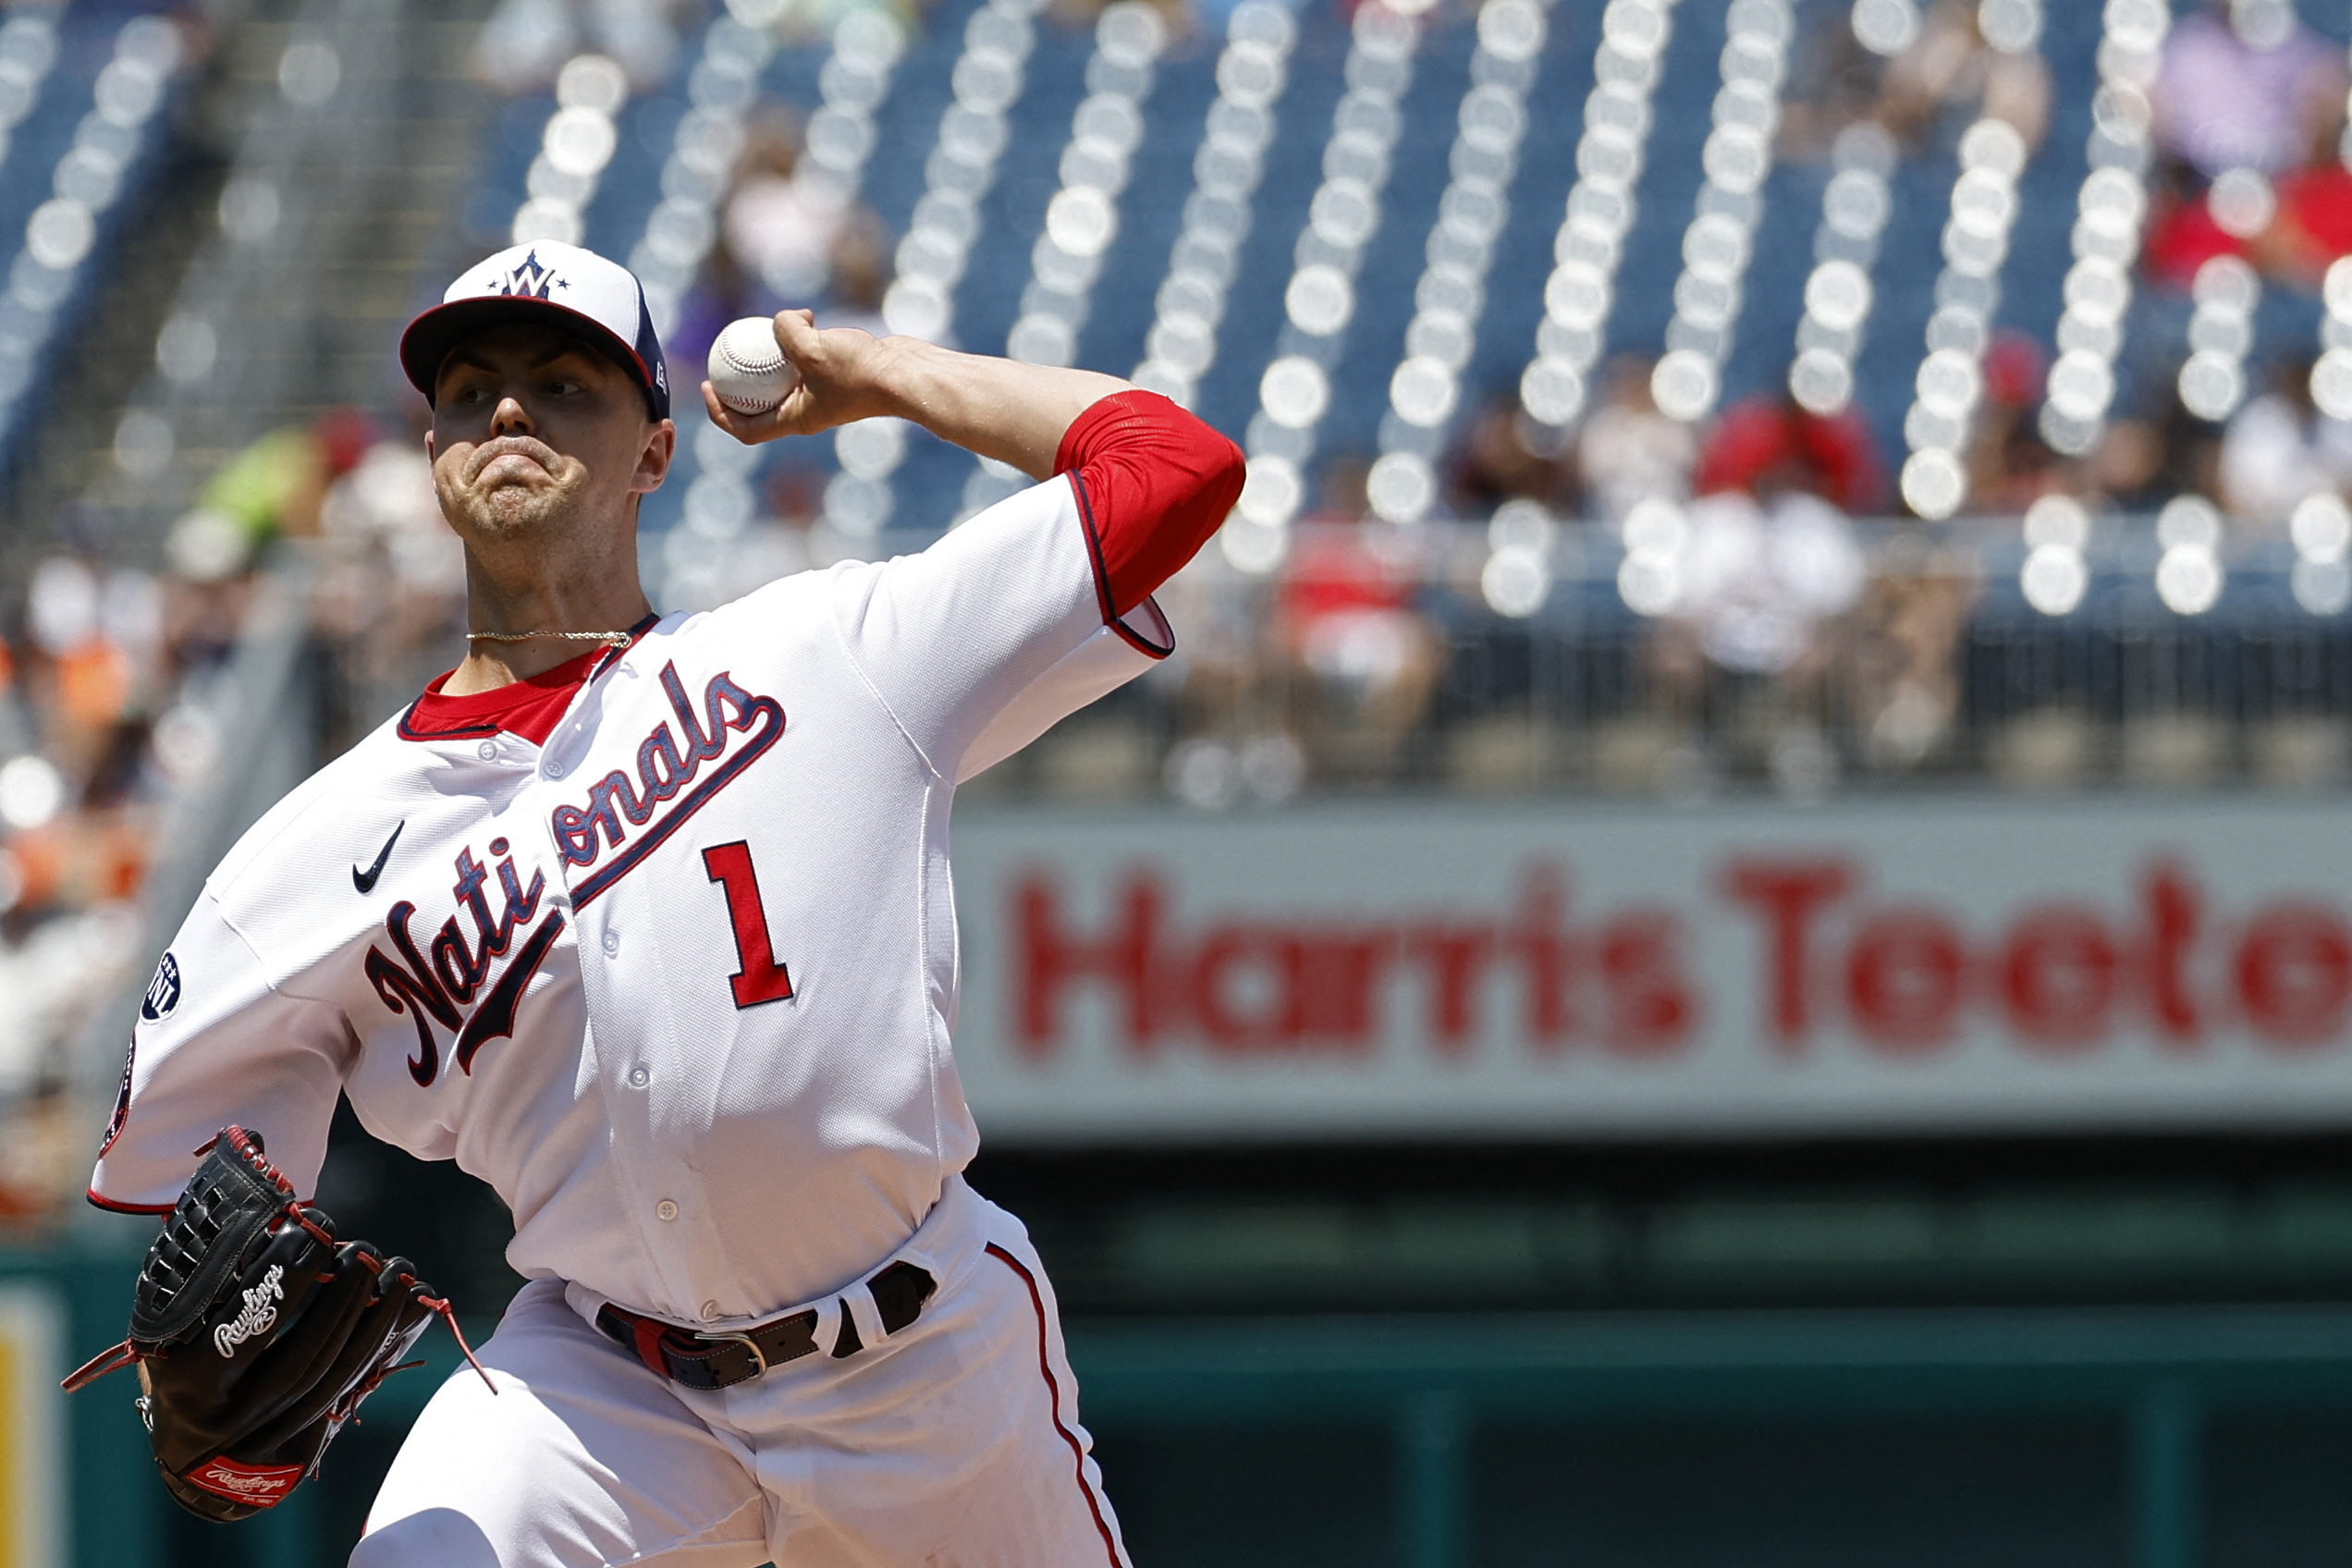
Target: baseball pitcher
[[647, 921]]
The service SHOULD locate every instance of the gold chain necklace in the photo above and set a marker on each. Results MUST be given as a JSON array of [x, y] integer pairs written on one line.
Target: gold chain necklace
[[615, 638]]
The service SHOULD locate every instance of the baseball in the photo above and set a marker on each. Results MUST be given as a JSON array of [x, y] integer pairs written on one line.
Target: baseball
[[748, 371]]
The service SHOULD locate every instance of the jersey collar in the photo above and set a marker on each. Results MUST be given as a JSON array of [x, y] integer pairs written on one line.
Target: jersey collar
[[529, 708]]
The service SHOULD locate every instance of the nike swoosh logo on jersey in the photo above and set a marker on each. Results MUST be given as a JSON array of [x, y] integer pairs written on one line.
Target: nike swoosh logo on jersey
[[365, 880]]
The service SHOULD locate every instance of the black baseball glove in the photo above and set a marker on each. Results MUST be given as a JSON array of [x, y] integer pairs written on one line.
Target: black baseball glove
[[256, 1336]]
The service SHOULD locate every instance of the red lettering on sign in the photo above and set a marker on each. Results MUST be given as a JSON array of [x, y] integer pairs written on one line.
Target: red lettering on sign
[[2295, 974], [1345, 970], [2058, 974], [1905, 980], [1651, 1008], [1048, 960], [1311, 987], [1536, 937], [1225, 951], [2174, 906], [1788, 895], [1457, 957], [1257, 986]]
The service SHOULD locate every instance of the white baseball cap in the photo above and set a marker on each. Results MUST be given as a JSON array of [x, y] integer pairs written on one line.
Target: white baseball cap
[[600, 299]]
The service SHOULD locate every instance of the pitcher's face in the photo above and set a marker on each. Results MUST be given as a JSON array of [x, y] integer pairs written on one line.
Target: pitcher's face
[[537, 438]]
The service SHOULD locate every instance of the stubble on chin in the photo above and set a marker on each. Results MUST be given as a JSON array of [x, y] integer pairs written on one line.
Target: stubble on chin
[[506, 511], [517, 512]]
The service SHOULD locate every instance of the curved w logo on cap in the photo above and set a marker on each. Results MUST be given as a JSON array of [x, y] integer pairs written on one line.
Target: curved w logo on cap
[[591, 291], [528, 278]]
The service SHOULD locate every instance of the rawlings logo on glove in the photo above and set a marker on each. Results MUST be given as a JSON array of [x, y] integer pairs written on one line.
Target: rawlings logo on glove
[[305, 1328], [261, 1311]]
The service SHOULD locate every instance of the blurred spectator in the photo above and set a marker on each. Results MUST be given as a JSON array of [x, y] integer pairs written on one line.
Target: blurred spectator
[[2313, 226], [39, 974], [525, 43], [1767, 443], [1230, 729], [2009, 465], [2244, 84], [1504, 456], [388, 592], [812, 21], [386, 502], [781, 227], [1628, 451], [703, 573], [109, 705], [77, 788], [1934, 87], [1747, 644], [788, 240], [2182, 232], [860, 274], [1902, 677], [1766, 561], [1760, 577], [2279, 448], [275, 486], [1951, 77], [1179, 16], [98, 633], [15, 736], [2146, 460], [1365, 660], [1835, 81], [723, 291], [205, 596]]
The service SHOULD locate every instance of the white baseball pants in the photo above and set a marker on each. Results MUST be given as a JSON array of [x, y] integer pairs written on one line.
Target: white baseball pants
[[953, 1443]]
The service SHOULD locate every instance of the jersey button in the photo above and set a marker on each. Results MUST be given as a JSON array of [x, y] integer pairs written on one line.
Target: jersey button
[[710, 1310], [553, 770], [638, 1077], [665, 1211], [612, 943], [487, 751]]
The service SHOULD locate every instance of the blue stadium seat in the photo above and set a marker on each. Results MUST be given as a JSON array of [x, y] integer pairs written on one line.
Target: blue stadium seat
[[987, 295], [76, 162], [1151, 211]]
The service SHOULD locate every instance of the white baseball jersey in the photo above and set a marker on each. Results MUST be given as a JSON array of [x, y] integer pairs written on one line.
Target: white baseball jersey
[[679, 982]]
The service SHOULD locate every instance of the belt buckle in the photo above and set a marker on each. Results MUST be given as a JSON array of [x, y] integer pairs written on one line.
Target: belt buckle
[[759, 1356]]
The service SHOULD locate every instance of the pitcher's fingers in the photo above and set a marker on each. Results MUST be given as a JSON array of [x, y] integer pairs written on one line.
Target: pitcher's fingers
[[750, 429], [795, 332]]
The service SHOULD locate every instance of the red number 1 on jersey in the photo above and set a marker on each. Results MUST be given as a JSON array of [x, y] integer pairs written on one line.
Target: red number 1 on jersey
[[760, 978]]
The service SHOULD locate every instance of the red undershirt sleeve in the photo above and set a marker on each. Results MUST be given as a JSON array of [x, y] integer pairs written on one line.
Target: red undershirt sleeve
[[1153, 483]]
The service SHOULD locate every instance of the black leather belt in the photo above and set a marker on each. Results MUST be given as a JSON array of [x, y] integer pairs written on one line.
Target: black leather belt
[[720, 1361]]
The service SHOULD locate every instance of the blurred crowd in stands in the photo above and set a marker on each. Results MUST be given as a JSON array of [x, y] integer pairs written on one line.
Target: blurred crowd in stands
[[1671, 603], [118, 690], [1783, 615]]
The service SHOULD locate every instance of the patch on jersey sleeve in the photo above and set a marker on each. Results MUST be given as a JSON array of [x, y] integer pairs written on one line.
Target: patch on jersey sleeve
[[122, 1102], [162, 991]]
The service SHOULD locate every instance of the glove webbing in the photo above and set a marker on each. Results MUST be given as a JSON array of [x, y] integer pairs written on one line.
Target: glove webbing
[[171, 1256]]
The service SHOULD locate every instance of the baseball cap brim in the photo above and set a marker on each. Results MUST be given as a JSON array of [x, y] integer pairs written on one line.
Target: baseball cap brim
[[432, 334]]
